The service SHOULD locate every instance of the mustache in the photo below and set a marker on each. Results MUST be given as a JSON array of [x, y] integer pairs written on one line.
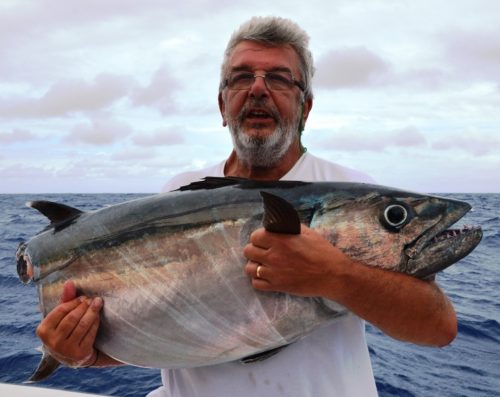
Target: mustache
[[261, 104]]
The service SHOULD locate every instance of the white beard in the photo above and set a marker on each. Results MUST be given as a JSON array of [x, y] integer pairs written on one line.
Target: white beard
[[266, 151]]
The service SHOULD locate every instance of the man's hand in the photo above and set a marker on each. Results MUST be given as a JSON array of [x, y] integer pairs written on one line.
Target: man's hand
[[289, 264], [402, 306], [68, 332]]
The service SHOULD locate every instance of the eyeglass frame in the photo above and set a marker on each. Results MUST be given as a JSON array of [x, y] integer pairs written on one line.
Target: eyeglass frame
[[263, 75]]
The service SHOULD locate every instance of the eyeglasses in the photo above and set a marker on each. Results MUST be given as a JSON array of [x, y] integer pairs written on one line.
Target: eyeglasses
[[275, 81]]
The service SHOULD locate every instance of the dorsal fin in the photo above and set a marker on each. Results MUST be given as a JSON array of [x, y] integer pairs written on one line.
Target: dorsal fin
[[213, 182], [58, 214], [279, 215]]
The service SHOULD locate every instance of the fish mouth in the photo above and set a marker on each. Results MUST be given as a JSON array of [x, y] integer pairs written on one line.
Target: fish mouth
[[441, 246], [24, 266]]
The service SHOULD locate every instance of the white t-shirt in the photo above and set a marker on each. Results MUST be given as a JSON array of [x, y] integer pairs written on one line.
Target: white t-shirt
[[332, 361], [309, 168]]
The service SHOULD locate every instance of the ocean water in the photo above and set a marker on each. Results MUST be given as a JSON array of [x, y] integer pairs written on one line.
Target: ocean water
[[470, 366]]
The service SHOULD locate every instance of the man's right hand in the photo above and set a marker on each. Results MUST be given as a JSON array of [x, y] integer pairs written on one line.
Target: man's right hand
[[68, 332]]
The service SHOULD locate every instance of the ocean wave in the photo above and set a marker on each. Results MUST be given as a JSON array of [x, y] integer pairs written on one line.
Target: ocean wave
[[388, 390], [488, 329], [468, 367], [9, 280]]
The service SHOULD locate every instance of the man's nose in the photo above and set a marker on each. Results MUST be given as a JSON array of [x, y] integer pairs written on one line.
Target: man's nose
[[259, 88]]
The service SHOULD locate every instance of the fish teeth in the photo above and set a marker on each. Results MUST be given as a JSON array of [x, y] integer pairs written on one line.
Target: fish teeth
[[453, 233]]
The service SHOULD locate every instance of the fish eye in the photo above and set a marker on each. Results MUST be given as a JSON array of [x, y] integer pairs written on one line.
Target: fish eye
[[395, 216]]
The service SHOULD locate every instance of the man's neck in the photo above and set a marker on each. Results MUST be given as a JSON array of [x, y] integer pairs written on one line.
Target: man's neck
[[235, 167]]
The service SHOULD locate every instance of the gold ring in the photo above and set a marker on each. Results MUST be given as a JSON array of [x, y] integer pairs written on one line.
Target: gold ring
[[258, 271]]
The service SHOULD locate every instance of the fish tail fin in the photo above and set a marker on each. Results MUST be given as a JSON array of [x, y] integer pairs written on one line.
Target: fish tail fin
[[46, 367]]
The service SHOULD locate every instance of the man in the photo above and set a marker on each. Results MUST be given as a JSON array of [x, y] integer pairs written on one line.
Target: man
[[265, 98]]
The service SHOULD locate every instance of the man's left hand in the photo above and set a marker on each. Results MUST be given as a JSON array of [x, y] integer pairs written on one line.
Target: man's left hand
[[296, 264]]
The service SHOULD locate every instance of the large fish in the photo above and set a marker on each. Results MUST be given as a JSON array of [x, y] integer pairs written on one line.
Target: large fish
[[170, 267]]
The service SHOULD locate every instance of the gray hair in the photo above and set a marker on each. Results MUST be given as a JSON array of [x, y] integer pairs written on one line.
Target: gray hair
[[273, 31]]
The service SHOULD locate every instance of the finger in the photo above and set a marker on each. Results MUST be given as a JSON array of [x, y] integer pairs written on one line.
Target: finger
[[68, 324], [88, 340], [261, 238], [250, 268], [87, 321], [261, 284], [259, 272], [264, 239], [69, 291], [254, 253], [53, 319]]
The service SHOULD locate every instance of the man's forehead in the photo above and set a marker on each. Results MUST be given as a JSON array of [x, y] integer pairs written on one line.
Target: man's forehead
[[256, 55]]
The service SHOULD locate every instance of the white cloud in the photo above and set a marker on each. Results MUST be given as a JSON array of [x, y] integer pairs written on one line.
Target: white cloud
[[69, 96], [25, 172], [345, 140], [17, 135], [426, 78], [351, 67], [359, 67], [473, 53], [98, 132], [133, 154], [159, 92], [477, 144], [168, 136]]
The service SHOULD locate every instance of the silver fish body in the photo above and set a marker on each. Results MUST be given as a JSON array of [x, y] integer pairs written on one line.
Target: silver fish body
[[170, 267]]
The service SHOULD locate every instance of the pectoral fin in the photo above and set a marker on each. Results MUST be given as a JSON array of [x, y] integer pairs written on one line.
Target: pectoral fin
[[254, 358], [279, 215]]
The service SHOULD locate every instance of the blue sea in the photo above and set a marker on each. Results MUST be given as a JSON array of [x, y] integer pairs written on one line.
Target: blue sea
[[470, 366]]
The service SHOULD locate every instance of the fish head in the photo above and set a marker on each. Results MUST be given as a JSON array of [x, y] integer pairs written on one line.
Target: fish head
[[398, 231], [440, 246]]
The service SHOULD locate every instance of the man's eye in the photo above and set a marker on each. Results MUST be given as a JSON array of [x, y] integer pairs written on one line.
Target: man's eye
[[279, 81], [241, 77], [278, 78]]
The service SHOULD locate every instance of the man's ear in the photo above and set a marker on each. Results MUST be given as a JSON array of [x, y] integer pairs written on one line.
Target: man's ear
[[222, 109], [308, 104], [305, 109]]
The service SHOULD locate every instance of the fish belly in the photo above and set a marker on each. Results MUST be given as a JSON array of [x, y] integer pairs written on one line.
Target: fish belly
[[183, 300]]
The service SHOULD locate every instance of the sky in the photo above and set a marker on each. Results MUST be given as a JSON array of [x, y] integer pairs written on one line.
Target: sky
[[119, 95]]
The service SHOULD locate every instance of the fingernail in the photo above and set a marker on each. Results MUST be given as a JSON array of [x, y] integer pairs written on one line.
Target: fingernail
[[97, 302]]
